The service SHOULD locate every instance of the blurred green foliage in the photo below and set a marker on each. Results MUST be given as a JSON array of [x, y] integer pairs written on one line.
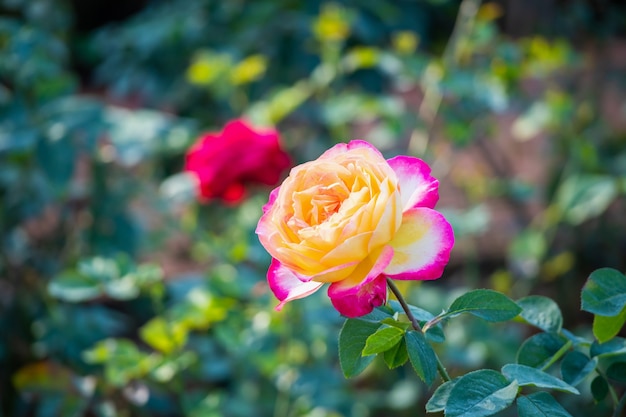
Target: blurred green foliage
[[120, 296]]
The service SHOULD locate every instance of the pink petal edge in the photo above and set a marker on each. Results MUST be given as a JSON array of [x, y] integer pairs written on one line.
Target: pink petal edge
[[422, 246], [271, 199], [286, 285], [417, 187], [371, 295], [353, 144]]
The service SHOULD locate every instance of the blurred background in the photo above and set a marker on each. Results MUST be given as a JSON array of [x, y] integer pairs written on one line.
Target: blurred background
[[121, 295]]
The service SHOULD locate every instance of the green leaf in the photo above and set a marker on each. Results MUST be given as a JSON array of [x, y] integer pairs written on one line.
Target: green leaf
[[525, 375], [599, 388], [168, 368], [537, 350], [486, 304], [421, 355], [585, 196], [542, 312], [122, 360], [397, 355], [390, 321], [383, 339], [99, 269], [378, 314], [615, 346], [57, 159], [540, 404], [604, 292], [117, 278], [440, 397], [352, 338], [606, 328], [200, 309], [420, 314], [122, 289], [73, 287], [110, 349], [434, 334], [147, 274], [576, 366], [617, 372], [576, 340], [163, 336], [480, 393]]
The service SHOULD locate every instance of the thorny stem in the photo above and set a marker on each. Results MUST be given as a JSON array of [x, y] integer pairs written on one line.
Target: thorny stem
[[407, 310]]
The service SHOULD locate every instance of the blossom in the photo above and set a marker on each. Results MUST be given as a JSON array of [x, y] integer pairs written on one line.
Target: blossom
[[333, 23], [250, 69], [208, 67], [225, 163], [352, 219]]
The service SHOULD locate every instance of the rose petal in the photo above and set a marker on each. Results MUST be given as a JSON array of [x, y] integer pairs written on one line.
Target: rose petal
[[417, 187], [303, 262], [350, 250], [362, 291], [389, 220], [344, 147], [239, 128], [362, 302], [334, 274], [421, 246], [211, 157], [271, 200], [286, 286], [234, 192]]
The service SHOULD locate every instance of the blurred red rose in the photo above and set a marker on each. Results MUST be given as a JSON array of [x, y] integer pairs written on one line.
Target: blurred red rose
[[225, 163]]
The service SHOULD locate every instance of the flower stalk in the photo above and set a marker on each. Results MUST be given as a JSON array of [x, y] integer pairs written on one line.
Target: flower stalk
[[407, 310]]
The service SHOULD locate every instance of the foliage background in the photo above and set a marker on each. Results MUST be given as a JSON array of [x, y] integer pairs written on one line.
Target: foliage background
[[121, 296]]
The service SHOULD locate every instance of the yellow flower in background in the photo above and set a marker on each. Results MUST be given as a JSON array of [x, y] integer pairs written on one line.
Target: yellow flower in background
[[405, 42], [544, 56], [333, 23], [363, 57], [250, 69], [489, 11], [207, 67]]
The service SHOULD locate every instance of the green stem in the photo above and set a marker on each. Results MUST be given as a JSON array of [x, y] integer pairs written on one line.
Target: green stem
[[613, 395], [407, 310], [612, 392], [442, 370], [620, 406], [566, 347], [394, 289]]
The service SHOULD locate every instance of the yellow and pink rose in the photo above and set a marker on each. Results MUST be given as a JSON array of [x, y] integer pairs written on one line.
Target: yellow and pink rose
[[352, 219]]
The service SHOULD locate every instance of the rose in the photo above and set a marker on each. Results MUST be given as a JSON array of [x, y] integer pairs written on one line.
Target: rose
[[225, 163], [352, 219]]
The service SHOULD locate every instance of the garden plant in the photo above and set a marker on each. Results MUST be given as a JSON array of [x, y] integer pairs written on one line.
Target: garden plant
[[312, 209]]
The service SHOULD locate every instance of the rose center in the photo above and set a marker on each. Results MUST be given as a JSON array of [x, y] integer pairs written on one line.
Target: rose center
[[326, 202]]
